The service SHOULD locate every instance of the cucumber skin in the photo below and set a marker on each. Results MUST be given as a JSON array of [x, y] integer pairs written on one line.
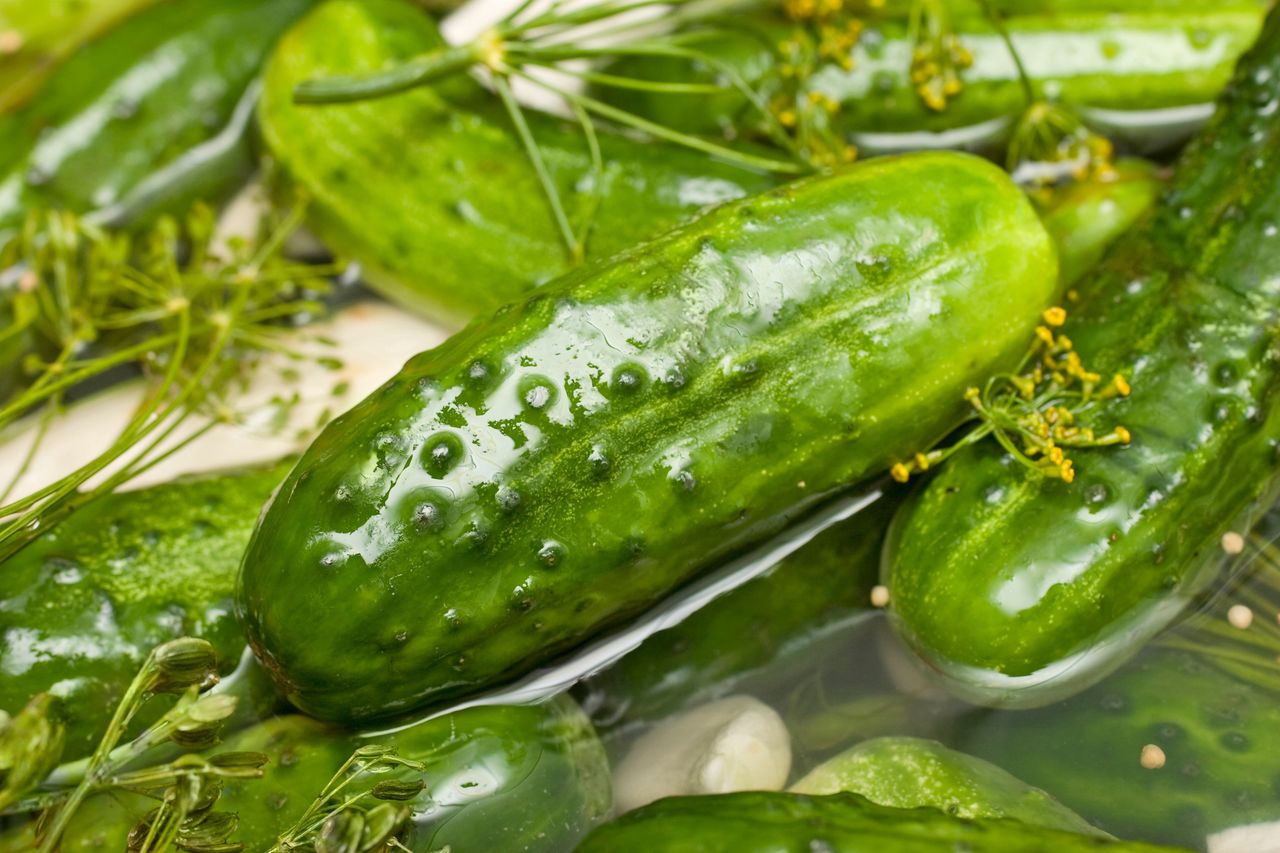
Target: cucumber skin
[[1217, 732], [1000, 577], [544, 771], [908, 772], [1089, 59], [772, 822], [823, 585], [83, 605], [580, 475], [459, 226], [135, 101]]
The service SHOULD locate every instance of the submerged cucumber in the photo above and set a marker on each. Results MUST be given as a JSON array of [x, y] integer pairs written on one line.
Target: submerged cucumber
[[906, 772], [529, 778], [150, 117], [83, 605], [432, 192], [1125, 60], [838, 823], [1023, 588], [567, 462]]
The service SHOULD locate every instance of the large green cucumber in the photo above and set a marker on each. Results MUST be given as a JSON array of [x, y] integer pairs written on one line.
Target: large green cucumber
[[150, 116], [83, 605], [907, 772], [434, 195], [1140, 59], [567, 462], [1217, 735], [530, 778], [768, 822], [1022, 588]]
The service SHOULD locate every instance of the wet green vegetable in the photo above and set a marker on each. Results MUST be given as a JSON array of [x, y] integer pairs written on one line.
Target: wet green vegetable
[[841, 823], [562, 465], [151, 116], [906, 772], [82, 606], [1022, 588]]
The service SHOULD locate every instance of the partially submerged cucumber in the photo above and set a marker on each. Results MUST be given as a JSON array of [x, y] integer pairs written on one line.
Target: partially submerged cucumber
[[561, 466], [83, 605], [149, 117], [1021, 588], [432, 192], [838, 823], [907, 772]]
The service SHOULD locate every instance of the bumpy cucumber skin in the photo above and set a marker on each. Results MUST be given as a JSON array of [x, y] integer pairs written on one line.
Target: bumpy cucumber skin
[[907, 772], [435, 196], [1090, 59], [528, 778], [1086, 217], [83, 605], [768, 822], [823, 585], [1218, 735], [1002, 578], [137, 100], [562, 465]]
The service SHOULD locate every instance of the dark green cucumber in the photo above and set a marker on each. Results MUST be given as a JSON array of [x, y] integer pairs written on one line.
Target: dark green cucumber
[[768, 822], [1141, 59], [528, 778], [434, 195], [562, 465], [1217, 734], [83, 605], [1006, 580], [824, 587], [907, 772], [149, 117]]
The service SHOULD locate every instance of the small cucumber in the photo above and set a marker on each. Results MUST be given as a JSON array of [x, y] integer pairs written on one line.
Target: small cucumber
[[83, 605], [528, 778], [432, 192], [1216, 735], [1117, 61], [149, 117], [1021, 588], [562, 465], [766, 822], [907, 772]]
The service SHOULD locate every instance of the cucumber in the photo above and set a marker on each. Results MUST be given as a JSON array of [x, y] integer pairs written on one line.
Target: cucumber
[[147, 118], [527, 778], [907, 772], [1022, 589], [1098, 60], [562, 465], [432, 192], [1217, 734], [83, 605], [823, 588], [766, 822], [39, 34]]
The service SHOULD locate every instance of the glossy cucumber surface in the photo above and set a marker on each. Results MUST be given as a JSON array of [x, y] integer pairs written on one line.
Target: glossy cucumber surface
[[83, 605], [907, 772], [1133, 60], [562, 465], [1023, 588], [768, 822], [432, 191], [528, 778], [156, 96]]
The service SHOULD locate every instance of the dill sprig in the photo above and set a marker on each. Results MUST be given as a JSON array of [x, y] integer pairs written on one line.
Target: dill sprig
[[1035, 411], [938, 58], [192, 314]]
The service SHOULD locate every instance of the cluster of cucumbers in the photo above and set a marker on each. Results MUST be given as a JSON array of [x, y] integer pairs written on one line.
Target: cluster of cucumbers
[[737, 351]]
